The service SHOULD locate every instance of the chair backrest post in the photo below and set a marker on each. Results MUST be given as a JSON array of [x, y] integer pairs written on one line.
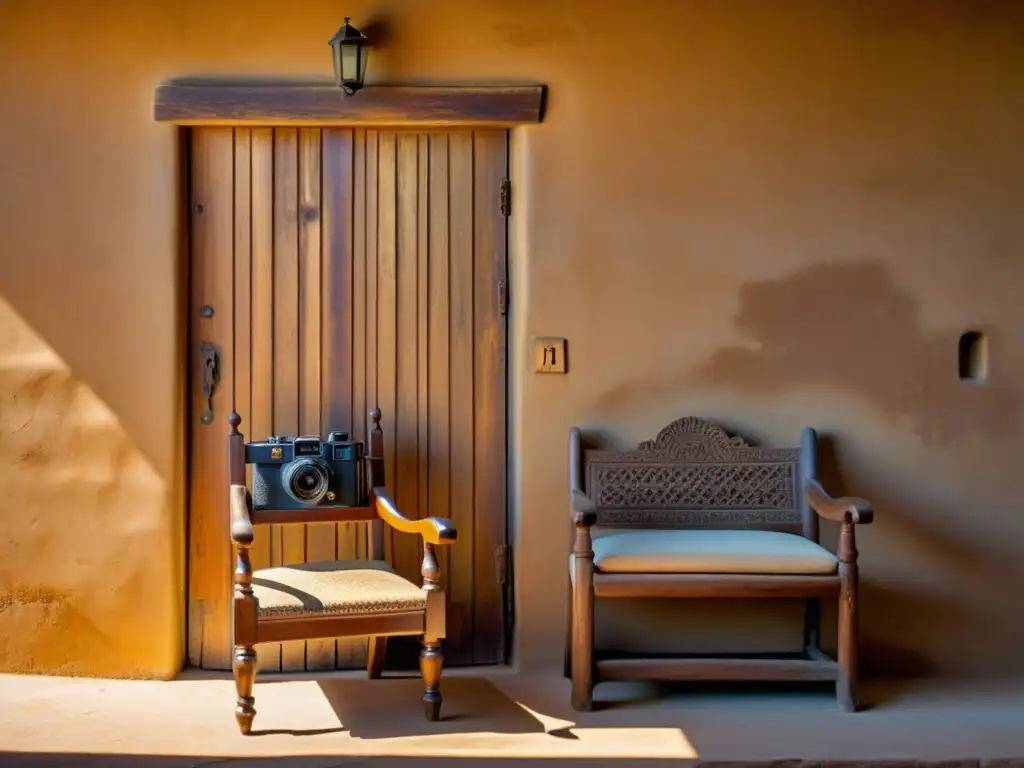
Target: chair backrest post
[[809, 471], [374, 479], [236, 451]]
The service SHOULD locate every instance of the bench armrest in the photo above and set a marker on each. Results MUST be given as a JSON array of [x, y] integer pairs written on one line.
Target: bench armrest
[[434, 530], [584, 510], [846, 509], [241, 515]]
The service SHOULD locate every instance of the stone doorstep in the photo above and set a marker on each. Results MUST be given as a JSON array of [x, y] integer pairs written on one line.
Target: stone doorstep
[[989, 763]]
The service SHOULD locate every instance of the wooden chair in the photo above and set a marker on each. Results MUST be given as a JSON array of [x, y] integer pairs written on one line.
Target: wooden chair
[[359, 598], [697, 513]]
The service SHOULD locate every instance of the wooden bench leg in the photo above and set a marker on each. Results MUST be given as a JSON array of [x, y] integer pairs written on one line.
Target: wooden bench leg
[[583, 622], [583, 658], [846, 683], [244, 668], [567, 663]]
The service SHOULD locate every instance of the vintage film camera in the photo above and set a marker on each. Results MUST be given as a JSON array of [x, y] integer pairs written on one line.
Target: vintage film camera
[[302, 472]]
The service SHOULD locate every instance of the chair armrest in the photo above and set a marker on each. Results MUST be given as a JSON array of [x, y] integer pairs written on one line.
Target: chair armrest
[[583, 508], [241, 515], [846, 509], [434, 530]]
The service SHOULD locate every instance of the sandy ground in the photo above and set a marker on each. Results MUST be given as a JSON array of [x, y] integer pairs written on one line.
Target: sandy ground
[[343, 719]]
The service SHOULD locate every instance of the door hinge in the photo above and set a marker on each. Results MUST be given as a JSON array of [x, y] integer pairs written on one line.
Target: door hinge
[[503, 296], [506, 197], [501, 563]]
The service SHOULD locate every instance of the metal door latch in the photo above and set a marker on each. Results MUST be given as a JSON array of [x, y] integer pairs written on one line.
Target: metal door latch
[[211, 377]]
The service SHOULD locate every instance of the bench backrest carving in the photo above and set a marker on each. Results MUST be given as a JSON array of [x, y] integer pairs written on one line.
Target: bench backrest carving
[[695, 475]]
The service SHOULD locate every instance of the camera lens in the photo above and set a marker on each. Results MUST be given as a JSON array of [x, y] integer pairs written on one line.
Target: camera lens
[[307, 480]]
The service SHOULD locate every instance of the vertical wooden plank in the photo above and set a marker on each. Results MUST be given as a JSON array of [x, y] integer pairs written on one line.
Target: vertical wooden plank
[[242, 312], [387, 297], [460, 650], [438, 455], [423, 329], [309, 282], [320, 537], [337, 319], [212, 277], [286, 338], [375, 530], [337, 284], [360, 407], [357, 652], [490, 166], [372, 255], [406, 480], [259, 552], [268, 655]]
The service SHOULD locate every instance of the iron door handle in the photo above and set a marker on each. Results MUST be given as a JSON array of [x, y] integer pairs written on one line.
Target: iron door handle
[[210, 360]]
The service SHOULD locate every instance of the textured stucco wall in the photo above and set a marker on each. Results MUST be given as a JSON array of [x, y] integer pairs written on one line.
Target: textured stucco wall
[[769, 213]]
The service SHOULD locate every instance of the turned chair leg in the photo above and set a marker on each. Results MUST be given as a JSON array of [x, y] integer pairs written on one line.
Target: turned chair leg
[[431, 661], [244, 668], [377, 650], [847, 639], [567, 662]]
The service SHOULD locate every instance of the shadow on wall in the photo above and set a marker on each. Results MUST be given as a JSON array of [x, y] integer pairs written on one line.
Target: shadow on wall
[[913, 613], [916, 614], [849, 328]]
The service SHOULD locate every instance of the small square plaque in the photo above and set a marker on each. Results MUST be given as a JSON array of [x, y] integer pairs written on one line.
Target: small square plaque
[[549, 355]]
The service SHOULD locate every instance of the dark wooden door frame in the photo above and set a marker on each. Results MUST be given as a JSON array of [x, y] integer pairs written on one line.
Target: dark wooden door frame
[[211, 103]]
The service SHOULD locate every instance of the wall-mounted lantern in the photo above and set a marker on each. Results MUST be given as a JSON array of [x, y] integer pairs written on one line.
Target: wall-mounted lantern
[[350, 50]]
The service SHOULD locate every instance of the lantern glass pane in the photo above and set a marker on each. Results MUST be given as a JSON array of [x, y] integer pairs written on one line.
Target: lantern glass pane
[[350, 63], [336, 58]]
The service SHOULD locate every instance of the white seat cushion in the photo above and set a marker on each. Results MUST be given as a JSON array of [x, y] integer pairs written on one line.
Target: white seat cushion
[[704, 551]]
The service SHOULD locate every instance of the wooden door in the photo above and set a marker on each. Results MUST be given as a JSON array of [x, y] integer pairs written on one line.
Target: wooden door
[[334, 270]]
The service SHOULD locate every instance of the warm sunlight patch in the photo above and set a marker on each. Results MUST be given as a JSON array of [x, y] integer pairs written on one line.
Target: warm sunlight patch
[[88, 578]]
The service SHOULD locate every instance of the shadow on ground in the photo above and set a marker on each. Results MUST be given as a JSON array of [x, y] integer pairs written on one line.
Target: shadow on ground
[[369, 715]]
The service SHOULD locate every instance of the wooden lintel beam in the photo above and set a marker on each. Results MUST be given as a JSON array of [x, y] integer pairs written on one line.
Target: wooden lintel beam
[[226, 104]]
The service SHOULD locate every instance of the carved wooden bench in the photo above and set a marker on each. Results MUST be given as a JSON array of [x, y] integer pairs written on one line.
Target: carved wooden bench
[[698, 513]]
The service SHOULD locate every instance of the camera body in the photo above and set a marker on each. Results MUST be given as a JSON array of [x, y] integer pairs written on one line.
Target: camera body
[[302, 472]]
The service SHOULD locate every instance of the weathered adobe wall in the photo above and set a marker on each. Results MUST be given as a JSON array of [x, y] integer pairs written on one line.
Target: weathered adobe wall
[[770, 214]]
